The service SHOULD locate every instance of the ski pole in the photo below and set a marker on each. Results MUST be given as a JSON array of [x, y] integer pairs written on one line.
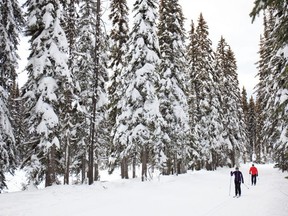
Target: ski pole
[[246, 186]]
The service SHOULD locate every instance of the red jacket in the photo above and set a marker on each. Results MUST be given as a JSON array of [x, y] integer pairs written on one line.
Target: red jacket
[[253, 171]]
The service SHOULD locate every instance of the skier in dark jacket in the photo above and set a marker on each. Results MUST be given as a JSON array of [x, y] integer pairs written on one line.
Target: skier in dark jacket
[[238, 178]]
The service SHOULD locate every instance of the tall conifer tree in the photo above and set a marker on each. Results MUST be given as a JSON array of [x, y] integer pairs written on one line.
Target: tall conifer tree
[[204, 83], [68, 120], [91, 83], [48, 79], [245, 107], [275, 91], [252, 129], [11, 22], [119, 38], [137, 122], [263, 92], [192, 53], [177, 147], [83, 76], [234, 133]]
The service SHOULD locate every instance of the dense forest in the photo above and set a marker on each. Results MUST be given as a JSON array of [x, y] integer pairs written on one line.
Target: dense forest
[[148, 95]]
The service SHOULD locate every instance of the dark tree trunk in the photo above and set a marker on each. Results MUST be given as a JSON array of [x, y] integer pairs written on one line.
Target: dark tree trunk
[[67, 164], [144, 164], [51, 167], [134, 167], [96, 171], [96, 72], [91, 164], [83, 169], [124, 168]]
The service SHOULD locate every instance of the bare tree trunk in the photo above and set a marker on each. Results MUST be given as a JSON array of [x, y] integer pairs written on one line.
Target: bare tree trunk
[[67, 163], [83, 170], [96, 171], [169, 167], [124, 168], [91, 159], [134, 167], [96, 72], [126, 175], [175, 164], [144, 164], [51, 167]]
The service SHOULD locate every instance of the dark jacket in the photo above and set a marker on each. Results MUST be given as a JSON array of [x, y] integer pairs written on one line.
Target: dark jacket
[[238, 176]]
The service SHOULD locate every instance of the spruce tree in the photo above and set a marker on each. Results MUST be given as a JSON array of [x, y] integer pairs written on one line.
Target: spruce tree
[[275, 81], [204, 83], [137, 126], [192, 54], [16, 108], [11, 22], [234, 133], [245, 105], [44, 92], [263, 151], [177, 148], [245, 108], [252, 121], [265, 53], [68, 111], [91, 80], [83, 76], [119, 36]]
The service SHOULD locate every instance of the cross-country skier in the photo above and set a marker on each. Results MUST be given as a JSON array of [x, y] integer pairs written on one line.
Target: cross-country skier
[[238, 178], [254, 173]]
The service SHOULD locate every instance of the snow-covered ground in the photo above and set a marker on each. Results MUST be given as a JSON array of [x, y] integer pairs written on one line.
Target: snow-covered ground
[[198, 193]]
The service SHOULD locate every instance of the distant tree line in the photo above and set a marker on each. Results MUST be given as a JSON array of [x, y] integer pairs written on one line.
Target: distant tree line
[[151, 96]]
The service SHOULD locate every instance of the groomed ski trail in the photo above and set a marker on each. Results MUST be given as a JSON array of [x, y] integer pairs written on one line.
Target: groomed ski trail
[[268, 197]]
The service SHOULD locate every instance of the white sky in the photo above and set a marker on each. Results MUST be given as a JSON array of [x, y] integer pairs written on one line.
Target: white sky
[[227, 18], [230, 19]]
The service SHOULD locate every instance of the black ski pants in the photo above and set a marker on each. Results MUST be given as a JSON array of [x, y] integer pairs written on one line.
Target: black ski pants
[[253, 179], [237, 188]]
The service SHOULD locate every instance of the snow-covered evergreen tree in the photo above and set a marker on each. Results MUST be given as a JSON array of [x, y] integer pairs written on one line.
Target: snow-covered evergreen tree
[[138, 120], [119, 36], [275, 91], [208, 125], [68, 111], [7, 139], [44, 92], [15, 105], [252, 121], [245, 105], [234, 133], [263, 91], [91, 77], [191, 92], [177, 147], [83, 78], [11, 22], [263, 152]]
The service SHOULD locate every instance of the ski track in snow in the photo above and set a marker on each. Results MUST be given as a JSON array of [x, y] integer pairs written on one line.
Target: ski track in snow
[[198, 193]]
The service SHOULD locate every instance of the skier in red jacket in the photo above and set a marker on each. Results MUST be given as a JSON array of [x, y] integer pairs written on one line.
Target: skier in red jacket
[[254, 173]]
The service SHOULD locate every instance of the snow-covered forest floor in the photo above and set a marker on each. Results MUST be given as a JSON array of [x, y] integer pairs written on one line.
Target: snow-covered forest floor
[[199, 193]]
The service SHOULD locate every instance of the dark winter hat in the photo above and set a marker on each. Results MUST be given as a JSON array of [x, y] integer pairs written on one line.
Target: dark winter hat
[[237, 168]]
